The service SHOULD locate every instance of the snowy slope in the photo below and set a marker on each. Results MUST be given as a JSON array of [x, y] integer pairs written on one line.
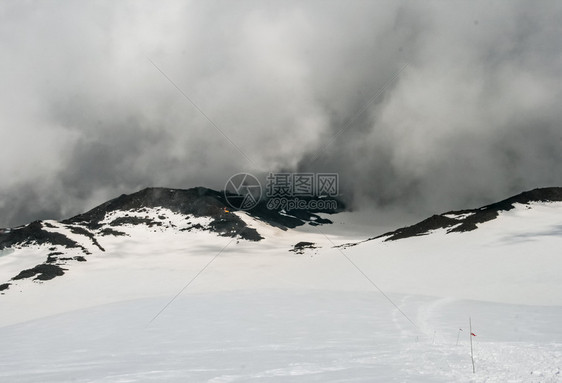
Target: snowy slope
[[515, 258], [261, 311], [51, 248]]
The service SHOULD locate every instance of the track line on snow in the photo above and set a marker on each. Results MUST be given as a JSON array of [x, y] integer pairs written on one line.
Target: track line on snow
[[369, 279]]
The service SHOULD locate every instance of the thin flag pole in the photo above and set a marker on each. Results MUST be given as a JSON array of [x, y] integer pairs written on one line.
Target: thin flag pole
[[471, 349], [458, 335]]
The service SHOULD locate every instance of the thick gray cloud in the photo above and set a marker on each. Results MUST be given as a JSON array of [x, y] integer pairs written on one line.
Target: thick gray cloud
[[445, 105]]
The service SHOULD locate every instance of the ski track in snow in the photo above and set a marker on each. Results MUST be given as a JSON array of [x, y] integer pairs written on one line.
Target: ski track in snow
[[278, 336]]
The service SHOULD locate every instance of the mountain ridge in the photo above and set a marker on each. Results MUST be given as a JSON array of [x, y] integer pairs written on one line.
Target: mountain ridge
[[202, 209], [76, 238], [468, 219]]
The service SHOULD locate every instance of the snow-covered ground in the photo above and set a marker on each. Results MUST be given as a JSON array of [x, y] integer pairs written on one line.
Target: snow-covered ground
[[260, 312]]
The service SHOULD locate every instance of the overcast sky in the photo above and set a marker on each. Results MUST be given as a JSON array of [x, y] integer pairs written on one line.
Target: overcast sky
[[420, 107]]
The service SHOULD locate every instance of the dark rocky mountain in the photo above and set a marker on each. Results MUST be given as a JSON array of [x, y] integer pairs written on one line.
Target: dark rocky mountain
[[202, 202], [197, 202], [468, 220], [75, 238]]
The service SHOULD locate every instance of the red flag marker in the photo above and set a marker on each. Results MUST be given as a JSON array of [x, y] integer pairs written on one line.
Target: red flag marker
[[473, 334]]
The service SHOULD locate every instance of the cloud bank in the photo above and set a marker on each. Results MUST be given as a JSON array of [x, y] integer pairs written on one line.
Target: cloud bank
[[419, 107]]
